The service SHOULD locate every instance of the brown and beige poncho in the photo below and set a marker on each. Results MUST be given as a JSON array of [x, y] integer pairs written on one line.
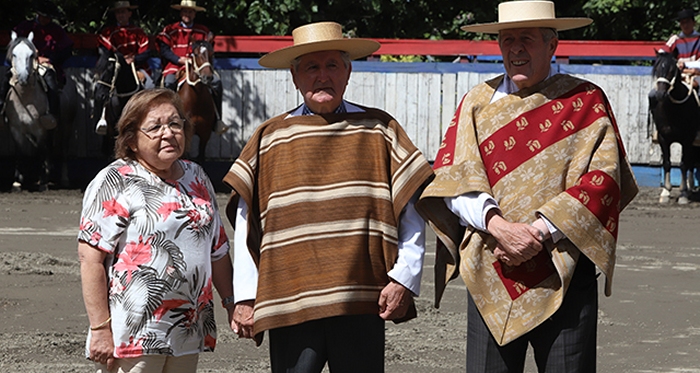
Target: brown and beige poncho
[[554, 150], [325, 194]]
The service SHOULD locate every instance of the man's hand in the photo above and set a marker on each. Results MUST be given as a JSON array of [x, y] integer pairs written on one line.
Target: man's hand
[[182, 60], [394, 301], [672, 40], [129, 59], [242, 323], [517, 242]]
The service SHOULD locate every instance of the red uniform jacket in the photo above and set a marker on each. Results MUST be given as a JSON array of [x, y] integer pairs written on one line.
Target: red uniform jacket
[[177, 37]]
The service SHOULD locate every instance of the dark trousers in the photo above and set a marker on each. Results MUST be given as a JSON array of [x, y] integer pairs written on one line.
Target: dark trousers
[[565, 343], [348, 343]]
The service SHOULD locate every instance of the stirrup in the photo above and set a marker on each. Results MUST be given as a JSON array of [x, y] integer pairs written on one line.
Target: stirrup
[[101, 128], [221, 127]]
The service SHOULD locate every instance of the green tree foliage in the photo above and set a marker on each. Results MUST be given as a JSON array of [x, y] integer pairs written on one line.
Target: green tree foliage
[[422, 19]]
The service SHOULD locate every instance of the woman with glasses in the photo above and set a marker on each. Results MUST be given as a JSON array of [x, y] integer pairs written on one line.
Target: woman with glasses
[[151, 246]]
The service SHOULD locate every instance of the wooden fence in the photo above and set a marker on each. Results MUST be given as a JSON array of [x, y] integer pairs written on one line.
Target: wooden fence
[[422, 97], [423, 100]]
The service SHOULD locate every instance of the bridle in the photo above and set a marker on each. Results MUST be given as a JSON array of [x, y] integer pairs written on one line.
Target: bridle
[[198, 68], [113, 84], [672, 84]]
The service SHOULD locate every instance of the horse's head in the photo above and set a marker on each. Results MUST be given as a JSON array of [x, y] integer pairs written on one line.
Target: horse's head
[[665, 71], [22, 55], [108, 75], [202, 55]]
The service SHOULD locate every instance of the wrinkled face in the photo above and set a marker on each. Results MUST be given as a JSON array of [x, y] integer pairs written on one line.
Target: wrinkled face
[[122, 15], [159, 152], [687, 25], [187, 15], [322, 77], [526, 55]]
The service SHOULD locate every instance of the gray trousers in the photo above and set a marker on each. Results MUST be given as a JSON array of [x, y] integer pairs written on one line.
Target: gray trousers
[[566, 342], [350, 344]]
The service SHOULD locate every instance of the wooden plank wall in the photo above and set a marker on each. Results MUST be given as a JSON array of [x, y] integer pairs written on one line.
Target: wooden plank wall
[[422, 102]]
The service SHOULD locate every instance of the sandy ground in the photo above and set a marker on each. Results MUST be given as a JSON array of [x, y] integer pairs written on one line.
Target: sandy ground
[[650, 324]]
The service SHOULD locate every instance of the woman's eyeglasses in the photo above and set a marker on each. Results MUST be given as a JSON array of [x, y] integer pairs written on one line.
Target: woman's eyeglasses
[[176, 125]]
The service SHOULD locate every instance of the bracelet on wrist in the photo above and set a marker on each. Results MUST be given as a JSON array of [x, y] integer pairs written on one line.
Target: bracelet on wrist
[[102, 324]]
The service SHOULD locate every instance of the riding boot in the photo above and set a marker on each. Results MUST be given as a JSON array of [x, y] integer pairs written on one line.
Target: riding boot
[[216, 94]]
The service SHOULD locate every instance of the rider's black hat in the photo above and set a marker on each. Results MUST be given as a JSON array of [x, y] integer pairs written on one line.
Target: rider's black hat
[[685, 13]]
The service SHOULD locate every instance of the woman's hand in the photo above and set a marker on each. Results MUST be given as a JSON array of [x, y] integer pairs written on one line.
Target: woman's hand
[[102, 347]]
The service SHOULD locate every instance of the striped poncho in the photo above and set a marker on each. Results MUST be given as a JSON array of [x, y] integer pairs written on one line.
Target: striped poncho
[[554, 150], [325, 194]]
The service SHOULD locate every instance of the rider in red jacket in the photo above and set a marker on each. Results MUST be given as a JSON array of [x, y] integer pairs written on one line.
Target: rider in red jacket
[[174, 45], [127, 39]]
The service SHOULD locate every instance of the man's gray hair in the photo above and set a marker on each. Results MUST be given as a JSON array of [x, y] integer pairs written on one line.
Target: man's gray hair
[[549, 34], [345, 56]]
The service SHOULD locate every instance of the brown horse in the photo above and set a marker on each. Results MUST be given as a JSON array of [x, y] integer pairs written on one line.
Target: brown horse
[[195, 92]]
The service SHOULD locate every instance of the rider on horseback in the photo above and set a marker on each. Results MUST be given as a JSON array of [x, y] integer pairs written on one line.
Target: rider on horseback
[[53, 45], [128, 40], [175, 45], [686, 47]]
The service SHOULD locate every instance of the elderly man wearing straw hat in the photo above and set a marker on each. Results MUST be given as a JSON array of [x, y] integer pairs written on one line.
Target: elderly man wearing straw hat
[[328, 244], [175, 43], [530, 181]]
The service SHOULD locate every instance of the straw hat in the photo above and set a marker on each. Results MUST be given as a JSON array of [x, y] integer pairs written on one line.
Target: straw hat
[[122, 5], [527, 13], [316, 37], [188, 4]]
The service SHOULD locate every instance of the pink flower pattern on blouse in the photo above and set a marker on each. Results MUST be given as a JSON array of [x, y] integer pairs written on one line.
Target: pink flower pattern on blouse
[[161, 237]]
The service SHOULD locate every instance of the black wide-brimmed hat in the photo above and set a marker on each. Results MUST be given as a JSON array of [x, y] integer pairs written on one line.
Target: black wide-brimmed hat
[[685, 13]]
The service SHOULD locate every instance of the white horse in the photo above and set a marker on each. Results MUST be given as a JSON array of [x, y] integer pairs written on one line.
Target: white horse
[[27, 113]]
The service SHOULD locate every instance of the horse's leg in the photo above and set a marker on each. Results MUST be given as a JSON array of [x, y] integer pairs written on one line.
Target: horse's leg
[[665, 196], [203, 140]]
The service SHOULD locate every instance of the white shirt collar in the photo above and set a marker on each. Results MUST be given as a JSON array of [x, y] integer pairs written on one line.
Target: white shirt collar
[[507, 86]]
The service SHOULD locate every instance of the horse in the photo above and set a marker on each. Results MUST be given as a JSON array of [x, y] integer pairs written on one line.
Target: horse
[[115, 83], [674, 107], [27, 111], [194, 90]]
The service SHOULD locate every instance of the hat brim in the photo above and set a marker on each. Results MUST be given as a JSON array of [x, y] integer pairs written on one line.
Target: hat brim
[[283, 58], [130, 7], [559, 24], [196, 8]]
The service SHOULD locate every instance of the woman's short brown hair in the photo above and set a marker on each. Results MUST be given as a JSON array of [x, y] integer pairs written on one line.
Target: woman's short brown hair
[[135, 112]]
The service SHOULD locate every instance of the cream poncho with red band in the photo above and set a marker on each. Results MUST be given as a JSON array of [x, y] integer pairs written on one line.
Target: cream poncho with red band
[[553, 149]]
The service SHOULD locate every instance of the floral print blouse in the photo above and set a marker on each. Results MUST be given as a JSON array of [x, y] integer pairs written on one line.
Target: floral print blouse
[[160, 237]]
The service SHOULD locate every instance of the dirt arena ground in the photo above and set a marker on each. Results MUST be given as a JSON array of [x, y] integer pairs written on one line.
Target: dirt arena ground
[[650, 324]]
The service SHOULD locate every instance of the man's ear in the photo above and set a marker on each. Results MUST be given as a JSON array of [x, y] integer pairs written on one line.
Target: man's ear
[[553, 44], [294, 76]]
